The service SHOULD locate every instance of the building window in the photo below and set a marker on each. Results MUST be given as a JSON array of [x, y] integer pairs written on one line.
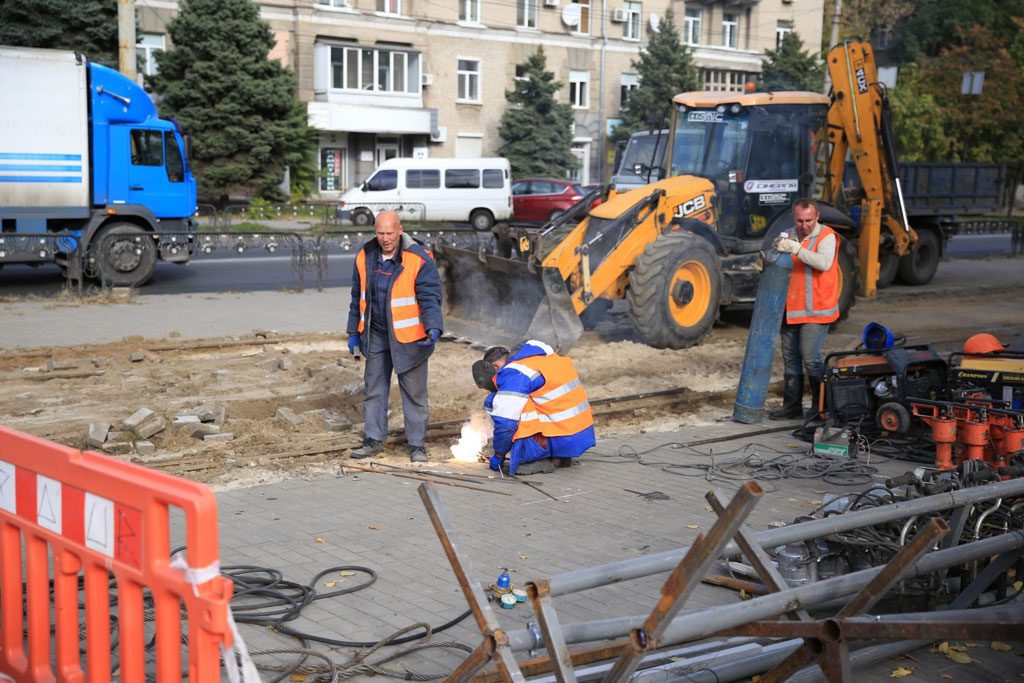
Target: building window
[[332, 163], [584, 25], [782, 29], [526, 13], [692, 26], [631, 29], [389, 6], [355, 68], [730, 29], [579, 89], [334, 3], [722, 80], [469, 80], [521, 74], [469, 11], [627, 84], [145, 49]]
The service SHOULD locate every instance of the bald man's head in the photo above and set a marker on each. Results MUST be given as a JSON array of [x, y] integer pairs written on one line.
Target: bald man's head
[[388, 228]]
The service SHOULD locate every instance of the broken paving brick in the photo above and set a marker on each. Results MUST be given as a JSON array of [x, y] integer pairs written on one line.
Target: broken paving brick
[[203, 429], [136, 357], [97, 434], [54, 364], [145, 447], [284, 363], [118, 447], [186, 419], [288, 415], [223, 436], [137, 418], [152, 425], [271, 365]]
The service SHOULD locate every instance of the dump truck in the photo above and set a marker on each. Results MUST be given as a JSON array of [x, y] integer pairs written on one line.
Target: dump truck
[[89, 174], [683, 248]]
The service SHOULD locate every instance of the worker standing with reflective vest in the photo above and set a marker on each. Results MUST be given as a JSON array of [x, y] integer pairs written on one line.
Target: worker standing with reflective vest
[[812, 304], [538, 406], [394, 320]]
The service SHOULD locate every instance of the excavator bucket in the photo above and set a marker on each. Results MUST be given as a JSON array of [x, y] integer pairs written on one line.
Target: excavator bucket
[[490, 301]]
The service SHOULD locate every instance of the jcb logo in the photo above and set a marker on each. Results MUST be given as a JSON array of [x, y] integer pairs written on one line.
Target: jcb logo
[[691, 206], [758, 223], [862, 81]]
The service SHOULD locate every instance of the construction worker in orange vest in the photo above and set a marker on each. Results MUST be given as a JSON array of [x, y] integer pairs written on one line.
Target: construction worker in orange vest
[[539, 409], [394, 320], [812, 304]]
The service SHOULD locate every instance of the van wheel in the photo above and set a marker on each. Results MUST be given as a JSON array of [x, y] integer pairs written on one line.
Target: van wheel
[[481, 220], [362, 218]]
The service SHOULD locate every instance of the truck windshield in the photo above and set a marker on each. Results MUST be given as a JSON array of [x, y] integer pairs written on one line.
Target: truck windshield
[[175, 165], [709, 143]]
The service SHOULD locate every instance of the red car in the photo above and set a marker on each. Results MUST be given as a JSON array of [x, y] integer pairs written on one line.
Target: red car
[[541, 199]]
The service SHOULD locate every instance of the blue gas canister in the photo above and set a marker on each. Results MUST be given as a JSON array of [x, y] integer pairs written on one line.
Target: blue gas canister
[[504, 580]]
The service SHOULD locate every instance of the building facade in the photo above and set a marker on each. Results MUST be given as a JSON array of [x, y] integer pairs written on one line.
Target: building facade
[[419, 78]]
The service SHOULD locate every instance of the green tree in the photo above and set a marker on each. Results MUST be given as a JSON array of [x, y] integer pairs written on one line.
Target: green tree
[[666, 69], [536, 129], [937, 25], [917, 119], [239, 106], [87, 26], [790, 68]]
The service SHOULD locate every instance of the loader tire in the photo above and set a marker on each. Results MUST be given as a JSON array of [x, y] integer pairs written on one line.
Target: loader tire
[[920, 263], [674, 291], [849, 278]]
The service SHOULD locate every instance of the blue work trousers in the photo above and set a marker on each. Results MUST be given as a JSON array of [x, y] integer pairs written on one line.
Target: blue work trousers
[[801, 348], [412, 385]]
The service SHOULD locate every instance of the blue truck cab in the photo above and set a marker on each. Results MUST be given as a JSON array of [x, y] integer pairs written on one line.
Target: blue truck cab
[[89, 156]]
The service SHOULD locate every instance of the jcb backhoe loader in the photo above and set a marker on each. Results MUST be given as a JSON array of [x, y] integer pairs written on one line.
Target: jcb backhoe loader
[[681, 249]]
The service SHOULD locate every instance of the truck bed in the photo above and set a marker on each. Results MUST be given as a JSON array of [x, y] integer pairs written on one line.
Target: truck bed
[[944, 189]]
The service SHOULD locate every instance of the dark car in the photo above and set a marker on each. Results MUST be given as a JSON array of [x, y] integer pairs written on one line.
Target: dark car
[[538, 200]]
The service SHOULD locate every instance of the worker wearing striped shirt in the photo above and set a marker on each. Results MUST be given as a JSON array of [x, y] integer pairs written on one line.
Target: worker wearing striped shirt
[[540, 409]]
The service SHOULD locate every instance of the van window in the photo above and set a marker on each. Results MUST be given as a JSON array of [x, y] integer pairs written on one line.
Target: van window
[[382, 180], [466, 178], [494, 178], [422, 179]]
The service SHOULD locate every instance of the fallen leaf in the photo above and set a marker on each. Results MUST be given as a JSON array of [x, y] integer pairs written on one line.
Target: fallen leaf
[[523, 557], [900, 672], [744, 595], [346, 573], [1017, 585], [1001, 647], [321, 539], [959, 657], [708, 508], [970, 644], [374, 527], [693, 526], [947, 677], [297, 677], [330, 584]]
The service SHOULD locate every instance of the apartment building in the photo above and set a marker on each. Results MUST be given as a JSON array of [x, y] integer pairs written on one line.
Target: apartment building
[[420, 78]]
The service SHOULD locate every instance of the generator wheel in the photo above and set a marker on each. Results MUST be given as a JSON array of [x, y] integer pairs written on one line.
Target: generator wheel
[[893, 417], [849, 278], [674, 291]]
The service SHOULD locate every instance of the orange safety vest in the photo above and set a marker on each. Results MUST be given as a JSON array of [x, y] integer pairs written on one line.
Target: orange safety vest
[[560, 407], [813, 295], [405, 309]]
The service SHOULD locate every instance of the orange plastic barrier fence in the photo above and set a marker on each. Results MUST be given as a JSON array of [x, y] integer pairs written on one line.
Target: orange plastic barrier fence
[[97, 517]]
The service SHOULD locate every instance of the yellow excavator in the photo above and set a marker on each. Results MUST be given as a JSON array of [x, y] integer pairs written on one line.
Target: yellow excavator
[[681, 249]]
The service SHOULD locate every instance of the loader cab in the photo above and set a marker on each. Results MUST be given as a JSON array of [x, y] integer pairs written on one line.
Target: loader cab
[[757, 149]]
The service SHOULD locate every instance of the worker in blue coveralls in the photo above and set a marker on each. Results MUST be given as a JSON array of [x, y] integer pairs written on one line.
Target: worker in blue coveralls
[[539, 409]]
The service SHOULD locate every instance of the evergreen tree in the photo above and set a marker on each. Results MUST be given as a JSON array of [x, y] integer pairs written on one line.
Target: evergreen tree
[[790, 68], [536, 129], [239, 106], [666, 69], [87, 26]]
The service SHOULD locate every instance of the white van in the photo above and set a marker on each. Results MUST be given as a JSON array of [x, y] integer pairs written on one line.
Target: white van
[[475, 190]]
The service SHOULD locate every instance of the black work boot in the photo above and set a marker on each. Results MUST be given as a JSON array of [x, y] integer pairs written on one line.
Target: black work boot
[[417, 454], [792, 399], [817, 400], [369, 448]]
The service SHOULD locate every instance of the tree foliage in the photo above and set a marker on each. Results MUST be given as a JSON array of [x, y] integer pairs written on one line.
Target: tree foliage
[[790, 68], [665, 69], [87, 26], [239, 106], [537, 129], [937, 25], [917, 119], [861, 19]]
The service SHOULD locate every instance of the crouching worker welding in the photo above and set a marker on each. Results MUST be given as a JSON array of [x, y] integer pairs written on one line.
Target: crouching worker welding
[[540, 409]]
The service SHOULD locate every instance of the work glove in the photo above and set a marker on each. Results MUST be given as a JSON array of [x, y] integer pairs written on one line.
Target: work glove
[[432, 337], [495, 462], [787, 246], [355, 345]]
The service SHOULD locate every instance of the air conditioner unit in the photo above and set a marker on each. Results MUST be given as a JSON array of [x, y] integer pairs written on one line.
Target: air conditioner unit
[[440, 134], [427, 79], [551, 3], [619, 14]]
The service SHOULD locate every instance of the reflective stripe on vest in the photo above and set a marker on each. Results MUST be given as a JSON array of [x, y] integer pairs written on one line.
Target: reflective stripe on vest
[[405, 309], [559, 407], [813, 295]]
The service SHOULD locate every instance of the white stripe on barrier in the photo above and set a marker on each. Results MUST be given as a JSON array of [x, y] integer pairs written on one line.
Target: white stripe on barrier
[[8, 488], [48, 500], [99, 524]]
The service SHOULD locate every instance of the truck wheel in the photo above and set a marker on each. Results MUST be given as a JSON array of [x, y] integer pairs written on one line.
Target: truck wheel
[[362, 218], [888, 265], [674, 291], [481, 220], [919, 265], [849, 278], [125, 255]]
